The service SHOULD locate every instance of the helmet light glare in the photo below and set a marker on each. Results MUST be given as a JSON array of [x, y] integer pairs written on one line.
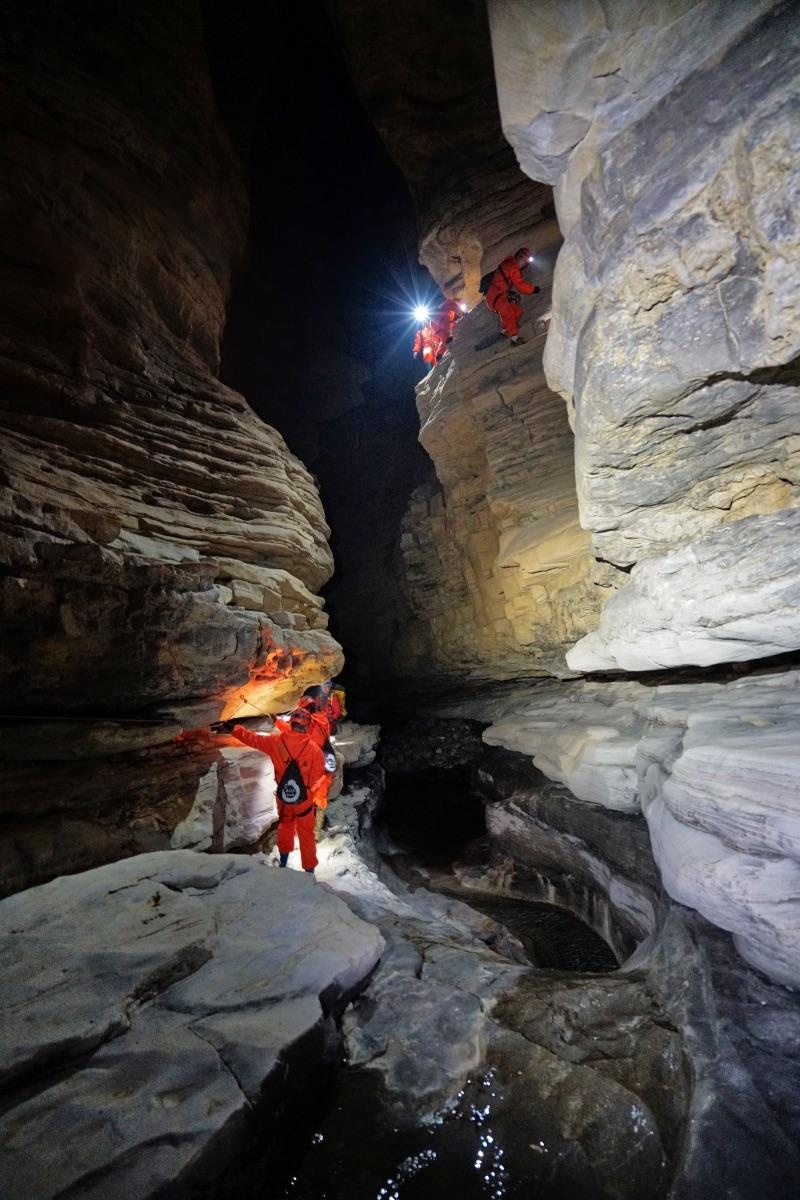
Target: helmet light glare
[[421, 312]]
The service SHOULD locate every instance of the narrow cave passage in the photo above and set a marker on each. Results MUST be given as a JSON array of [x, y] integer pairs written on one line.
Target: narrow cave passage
[[545, 941], [431, 820]]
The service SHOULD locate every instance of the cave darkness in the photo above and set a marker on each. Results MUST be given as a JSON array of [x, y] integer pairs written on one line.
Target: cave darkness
[[544, 939], [318, 335]]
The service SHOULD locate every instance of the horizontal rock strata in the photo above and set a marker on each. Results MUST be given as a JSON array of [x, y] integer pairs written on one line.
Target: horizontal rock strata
[[670, 136], [496, 568], [714, 769], [159, 543], [153, 1008]]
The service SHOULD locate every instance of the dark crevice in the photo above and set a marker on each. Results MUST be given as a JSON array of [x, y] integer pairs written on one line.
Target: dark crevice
[[719, 673]]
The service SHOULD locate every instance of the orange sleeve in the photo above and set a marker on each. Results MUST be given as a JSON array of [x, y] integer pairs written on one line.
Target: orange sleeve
[[320, 792], [259, 741], [511, 268]]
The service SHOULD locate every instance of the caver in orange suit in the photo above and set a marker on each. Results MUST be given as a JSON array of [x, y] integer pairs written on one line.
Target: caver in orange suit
[[426, 344], [508, 279], [443, 323], [288, 743]]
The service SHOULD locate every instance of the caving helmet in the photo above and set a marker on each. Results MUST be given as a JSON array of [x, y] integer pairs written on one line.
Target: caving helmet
[[523, 256], [300, 720]]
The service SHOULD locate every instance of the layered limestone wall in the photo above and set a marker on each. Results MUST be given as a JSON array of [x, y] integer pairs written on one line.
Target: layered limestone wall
[[424, 72], [161, 548], [669, 132], [714, 769], [495, 566]]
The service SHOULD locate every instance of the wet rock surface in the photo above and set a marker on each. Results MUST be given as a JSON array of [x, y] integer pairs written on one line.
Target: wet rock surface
[[440, 1088], [660, 1066], [146, 1040], [737, 1031], [712, 766]]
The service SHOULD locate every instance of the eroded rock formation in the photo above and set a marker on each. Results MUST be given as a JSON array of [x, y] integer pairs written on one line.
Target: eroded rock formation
[[161, 547], [496, 568], [155, 1033], [442, 128], [669, 132], [713, 768]]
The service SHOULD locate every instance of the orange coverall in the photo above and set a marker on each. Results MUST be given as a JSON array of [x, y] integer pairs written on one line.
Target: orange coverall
[[444, 322], [426, 344], [320, 732], [508, 275], [283, 744]]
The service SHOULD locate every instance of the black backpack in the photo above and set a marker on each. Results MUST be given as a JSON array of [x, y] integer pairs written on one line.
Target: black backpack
[[486, 280], [292, 788]]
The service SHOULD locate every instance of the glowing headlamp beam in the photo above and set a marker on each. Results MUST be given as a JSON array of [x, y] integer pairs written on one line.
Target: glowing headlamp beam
[[421, 313]]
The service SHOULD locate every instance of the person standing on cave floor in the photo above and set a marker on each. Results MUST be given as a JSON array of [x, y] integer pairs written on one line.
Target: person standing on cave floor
[[503, 292], [326, 709], [301, 781]]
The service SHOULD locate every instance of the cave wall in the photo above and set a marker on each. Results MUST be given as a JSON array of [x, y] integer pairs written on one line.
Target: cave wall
[[669, 132], [162, 550], [495, 567], [424, 72]]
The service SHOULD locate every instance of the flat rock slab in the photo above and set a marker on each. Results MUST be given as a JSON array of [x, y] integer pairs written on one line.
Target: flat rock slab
[[148, 1004]]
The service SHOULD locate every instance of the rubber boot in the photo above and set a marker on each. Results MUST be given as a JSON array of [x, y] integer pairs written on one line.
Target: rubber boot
[[308, 870], [518, 340], [284, 859]]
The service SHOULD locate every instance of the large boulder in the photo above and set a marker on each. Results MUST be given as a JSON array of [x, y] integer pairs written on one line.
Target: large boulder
[[154, 1004]]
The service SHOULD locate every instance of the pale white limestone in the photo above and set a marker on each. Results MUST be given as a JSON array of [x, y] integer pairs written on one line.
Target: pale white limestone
[[715, 768], [172, 986], [731, 595]]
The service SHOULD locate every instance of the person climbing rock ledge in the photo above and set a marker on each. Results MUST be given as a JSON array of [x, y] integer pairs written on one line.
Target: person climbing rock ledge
[[503, 289], [436, 332]]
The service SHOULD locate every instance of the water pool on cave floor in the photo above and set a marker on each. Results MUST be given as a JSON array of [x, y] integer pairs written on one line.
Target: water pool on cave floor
[[434, 820]]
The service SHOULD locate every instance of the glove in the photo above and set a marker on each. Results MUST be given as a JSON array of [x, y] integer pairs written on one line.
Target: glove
[[222, 726], [514, 296], [536, 289]]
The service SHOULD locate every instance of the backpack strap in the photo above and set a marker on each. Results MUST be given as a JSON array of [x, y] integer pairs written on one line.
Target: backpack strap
[[509, 286]]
